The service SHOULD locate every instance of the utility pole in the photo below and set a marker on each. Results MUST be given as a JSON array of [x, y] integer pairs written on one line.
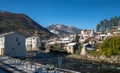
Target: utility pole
[[59, 62]]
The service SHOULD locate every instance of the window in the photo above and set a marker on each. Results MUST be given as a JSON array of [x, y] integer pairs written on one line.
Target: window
[[69, 47], [16, 38], [13, 48], [18, 43]]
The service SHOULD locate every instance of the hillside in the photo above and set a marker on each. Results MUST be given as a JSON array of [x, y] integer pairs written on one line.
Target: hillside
[[107, 25], [60, 29], [21, 23]]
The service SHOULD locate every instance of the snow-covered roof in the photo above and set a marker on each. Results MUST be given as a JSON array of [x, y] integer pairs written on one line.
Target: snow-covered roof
[[116, 32], [88, 46], [85, 44], [71, 44], [53, 42], [5, 34], [32, 37], [118, 28], [103, 35], [65, 39]]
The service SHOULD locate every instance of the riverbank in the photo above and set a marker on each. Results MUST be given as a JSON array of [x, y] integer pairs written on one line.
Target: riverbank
[[77, 63], [82, 65], [111, 59]]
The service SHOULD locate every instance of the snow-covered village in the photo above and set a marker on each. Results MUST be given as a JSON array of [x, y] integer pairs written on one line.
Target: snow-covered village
[[49, 36]]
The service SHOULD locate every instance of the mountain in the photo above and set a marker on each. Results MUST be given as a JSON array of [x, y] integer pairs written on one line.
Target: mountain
[[60, 29], [21, 23]]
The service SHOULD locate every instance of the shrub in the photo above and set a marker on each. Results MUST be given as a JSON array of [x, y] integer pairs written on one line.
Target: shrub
[[110, 46]]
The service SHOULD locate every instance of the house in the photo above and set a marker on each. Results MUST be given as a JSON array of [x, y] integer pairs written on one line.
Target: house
[[85, 48], [33, 43], [12, 44], [62, 44], [71, 47], [102, 36], [93, 41], [87, 33]]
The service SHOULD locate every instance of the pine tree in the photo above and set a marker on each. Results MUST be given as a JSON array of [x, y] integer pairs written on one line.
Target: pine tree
[[77, 38]]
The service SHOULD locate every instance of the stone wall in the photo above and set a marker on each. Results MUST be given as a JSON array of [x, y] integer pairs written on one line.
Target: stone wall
[[111, 59]]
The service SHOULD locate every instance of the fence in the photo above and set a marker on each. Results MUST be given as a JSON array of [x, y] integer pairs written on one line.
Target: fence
[[36, 67]]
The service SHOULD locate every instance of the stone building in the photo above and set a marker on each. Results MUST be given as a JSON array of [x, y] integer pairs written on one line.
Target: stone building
[[12, 44], [71, 47]]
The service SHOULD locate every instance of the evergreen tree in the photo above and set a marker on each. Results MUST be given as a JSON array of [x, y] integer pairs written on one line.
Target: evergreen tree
[[108, 24], [77, 38]]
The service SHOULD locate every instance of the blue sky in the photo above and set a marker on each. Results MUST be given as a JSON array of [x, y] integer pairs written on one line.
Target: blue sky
[[83, 14]]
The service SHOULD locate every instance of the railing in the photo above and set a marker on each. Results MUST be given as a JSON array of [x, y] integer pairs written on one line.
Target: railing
[[34, 66]]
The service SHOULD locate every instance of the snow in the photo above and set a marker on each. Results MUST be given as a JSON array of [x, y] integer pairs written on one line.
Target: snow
[[71, 44], [59, 26], [70, 31], [65, 39], [54, 31], [22, 66], [19, 66], [118, 29]]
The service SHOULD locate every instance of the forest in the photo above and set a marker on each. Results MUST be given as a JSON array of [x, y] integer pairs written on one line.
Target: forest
[[106, 25]]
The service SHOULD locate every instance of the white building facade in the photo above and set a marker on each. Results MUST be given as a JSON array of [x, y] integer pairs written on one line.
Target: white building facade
[[33, 43], [12, 44], [71, 47], [87, 33]]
